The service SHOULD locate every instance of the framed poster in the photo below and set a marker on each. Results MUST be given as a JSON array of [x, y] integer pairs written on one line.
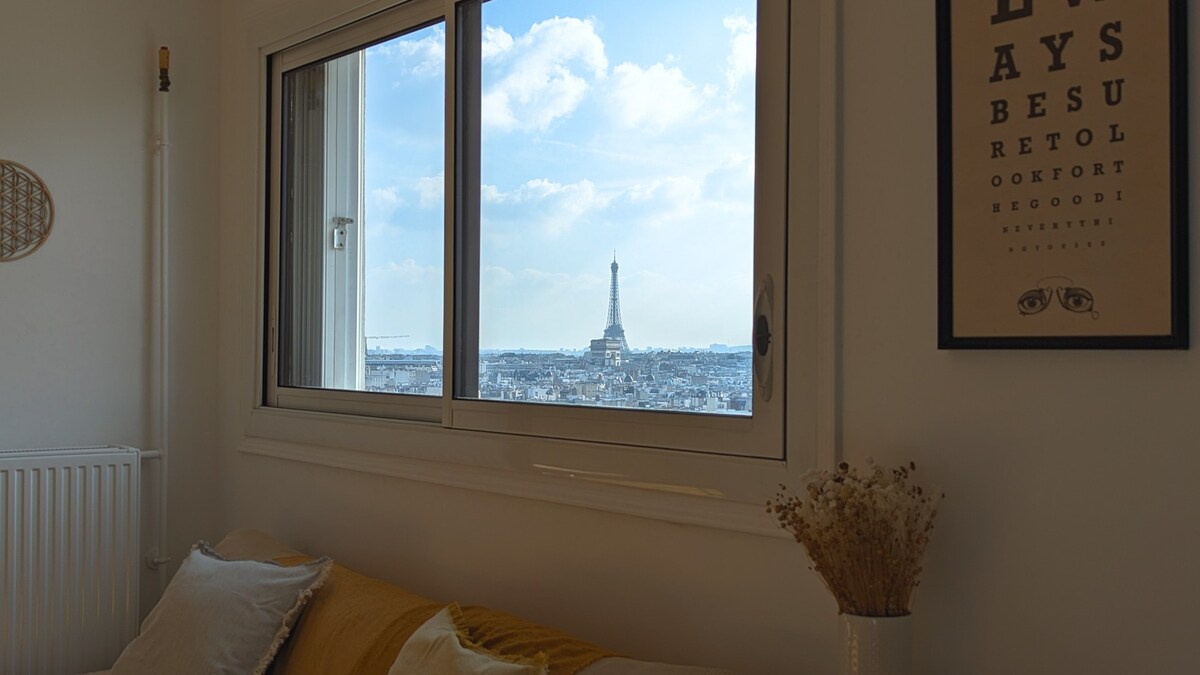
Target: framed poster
[[1062, 151]]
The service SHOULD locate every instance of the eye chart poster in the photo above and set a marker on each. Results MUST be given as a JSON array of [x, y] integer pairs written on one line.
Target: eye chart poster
[[1062, 154]]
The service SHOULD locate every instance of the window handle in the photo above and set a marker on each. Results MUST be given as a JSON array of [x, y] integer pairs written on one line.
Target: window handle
[[339, 232], [764, 308]]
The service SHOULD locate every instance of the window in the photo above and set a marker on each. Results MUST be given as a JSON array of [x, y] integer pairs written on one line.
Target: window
[[558, 219]]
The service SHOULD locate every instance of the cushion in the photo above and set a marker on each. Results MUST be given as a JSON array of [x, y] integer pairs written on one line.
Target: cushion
[[436, 648], [220, 616], [368, 619]]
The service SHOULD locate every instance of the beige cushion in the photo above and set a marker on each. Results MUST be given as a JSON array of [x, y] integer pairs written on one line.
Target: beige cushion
[[221, 617], [436, 648]]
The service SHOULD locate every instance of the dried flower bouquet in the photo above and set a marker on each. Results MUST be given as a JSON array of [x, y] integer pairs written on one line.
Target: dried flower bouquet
[[865, 533]]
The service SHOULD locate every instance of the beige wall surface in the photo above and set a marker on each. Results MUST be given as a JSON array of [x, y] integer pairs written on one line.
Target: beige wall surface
[[78, 93], [1067, 543]]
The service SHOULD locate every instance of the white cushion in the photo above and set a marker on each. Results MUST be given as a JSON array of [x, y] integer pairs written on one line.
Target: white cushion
[[221, 617], [435, 649]]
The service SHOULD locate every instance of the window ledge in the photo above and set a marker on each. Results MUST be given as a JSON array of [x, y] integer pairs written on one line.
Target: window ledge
[[705, 503]]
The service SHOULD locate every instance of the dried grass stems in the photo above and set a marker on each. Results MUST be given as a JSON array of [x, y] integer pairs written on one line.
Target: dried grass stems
[[865, 533]]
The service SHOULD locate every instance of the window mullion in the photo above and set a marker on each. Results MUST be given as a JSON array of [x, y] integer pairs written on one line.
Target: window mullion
[[465, 195]]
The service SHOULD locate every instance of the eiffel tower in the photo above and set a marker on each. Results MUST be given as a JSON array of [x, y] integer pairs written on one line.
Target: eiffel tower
[[614, 330], [611, 349]]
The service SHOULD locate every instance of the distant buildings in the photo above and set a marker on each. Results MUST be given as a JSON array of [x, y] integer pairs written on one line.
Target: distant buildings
[[608, 374], [699, 381], [667, 380]]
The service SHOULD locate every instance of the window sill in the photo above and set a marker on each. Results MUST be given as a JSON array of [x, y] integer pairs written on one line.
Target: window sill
[[725, 493]]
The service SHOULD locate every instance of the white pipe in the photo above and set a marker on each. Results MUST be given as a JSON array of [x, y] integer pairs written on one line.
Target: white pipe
[[157, 557]]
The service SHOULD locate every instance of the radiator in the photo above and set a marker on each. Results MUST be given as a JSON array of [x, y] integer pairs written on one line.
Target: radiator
[[69, 556]]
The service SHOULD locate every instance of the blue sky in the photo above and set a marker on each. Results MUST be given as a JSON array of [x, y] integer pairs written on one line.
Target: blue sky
[[607, 124]]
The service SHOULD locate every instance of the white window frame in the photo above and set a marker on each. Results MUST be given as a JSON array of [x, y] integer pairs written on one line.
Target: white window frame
[[343, 282], [760, 435], [622, 478], [345, 255]]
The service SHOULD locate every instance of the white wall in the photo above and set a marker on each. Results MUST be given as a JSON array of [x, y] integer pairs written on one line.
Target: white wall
[[1067, 543], [78, 83]]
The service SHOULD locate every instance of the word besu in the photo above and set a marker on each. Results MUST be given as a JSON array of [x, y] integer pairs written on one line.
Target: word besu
[[1114, 91]]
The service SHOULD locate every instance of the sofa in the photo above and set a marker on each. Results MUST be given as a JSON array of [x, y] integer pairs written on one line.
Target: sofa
[[352, 624]]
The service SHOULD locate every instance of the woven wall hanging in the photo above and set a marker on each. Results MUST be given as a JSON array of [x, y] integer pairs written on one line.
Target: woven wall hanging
[[26, 211]]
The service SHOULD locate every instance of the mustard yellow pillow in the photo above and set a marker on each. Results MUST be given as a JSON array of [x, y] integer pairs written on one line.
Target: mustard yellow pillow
[[436, 648], [368, 619]]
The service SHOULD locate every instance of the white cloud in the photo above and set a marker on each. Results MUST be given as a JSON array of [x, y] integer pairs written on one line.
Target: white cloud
[[409, 272], [546, 74], [553, 207], [567, 306], [382, 204], [536, 190], [387, 198], [670, 189], [743, 50], [658, 202], [496, 41], [731, 181], [542, 278], [431, 189], [421, 57], [493, 276], [654, 98]]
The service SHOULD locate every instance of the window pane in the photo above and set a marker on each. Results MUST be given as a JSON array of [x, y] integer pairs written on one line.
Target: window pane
[[617, 203], [405, 178], [362, 219]]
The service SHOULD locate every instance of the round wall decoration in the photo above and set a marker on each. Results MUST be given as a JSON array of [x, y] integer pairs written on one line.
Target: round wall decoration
[[26, 211]]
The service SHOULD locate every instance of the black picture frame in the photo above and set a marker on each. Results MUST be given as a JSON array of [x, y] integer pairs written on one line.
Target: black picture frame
[[1177, 337]]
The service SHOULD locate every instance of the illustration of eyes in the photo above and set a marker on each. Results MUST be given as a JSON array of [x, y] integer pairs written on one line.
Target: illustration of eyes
[[1032, 302], [1076, 299]]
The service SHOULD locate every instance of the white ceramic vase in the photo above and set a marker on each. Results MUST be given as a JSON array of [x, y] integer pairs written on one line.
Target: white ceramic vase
[[875, 645]]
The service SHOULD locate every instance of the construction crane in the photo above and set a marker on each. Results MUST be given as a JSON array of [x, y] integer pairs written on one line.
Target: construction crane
[[386, 337]]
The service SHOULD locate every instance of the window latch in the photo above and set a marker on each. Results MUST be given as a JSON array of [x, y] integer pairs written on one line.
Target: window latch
[[764, 306], [339, 232]]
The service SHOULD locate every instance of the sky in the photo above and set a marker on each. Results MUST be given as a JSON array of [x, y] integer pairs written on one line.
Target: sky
[[607, 125]]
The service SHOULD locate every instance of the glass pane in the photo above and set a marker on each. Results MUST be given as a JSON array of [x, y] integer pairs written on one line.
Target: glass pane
[[405, 178], [617, 203], [362, 219]]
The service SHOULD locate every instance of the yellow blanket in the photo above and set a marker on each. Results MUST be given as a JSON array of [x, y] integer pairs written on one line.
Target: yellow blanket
[[502, 633], [356, 625]]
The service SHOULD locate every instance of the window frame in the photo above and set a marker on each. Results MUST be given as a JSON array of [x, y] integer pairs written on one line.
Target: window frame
[[667, 430], [357, 36], [760, 435]]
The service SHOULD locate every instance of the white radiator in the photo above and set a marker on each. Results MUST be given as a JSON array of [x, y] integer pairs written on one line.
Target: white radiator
[[69, 557]]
